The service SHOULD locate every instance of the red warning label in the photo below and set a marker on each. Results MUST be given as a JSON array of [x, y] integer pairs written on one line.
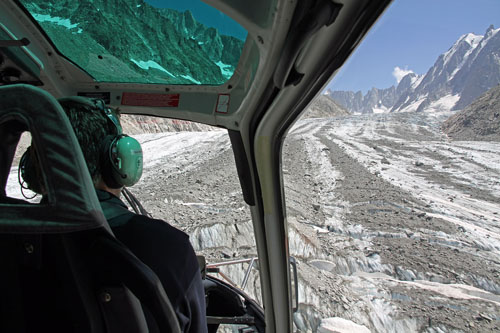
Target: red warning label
[[149, 99]]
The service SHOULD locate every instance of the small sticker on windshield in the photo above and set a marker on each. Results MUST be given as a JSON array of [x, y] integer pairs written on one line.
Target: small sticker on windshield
[[222, 103], [149, 99]]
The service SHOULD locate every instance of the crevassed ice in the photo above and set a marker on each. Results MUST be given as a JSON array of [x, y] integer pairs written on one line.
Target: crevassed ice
[[150, 64], [57, 20]]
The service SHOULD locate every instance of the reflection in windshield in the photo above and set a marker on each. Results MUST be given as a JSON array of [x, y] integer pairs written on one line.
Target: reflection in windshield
[[137, 42]]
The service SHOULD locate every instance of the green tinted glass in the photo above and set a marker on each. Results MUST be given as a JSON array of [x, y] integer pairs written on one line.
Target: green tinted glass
[[153, 41]]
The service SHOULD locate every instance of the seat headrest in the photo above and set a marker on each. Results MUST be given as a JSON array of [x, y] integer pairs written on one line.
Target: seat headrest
[[72, 204]]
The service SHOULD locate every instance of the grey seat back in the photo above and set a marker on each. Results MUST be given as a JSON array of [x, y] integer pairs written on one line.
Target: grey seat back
[[62, 268]]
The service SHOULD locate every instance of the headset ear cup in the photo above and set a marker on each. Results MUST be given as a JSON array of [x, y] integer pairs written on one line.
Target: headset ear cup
[[30, 171], [106, 163], [127, 160]]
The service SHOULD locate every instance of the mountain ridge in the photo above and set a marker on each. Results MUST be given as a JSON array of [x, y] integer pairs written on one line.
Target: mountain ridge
[[132, 41], [466, 70]]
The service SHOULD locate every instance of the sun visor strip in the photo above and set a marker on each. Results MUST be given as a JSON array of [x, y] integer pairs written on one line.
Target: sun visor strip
[[72, 203]]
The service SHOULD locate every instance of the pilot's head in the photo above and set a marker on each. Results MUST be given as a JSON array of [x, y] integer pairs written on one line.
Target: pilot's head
[[91, 128], [113, 158]]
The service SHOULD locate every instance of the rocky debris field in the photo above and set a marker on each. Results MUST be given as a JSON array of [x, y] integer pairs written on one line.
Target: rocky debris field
[[190, 181], [403, 220], [395, 227]]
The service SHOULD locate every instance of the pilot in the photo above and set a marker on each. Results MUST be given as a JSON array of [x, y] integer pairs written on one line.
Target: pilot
[[114, 160]]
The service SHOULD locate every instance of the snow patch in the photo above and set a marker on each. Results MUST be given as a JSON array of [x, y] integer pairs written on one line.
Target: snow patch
[[190, 78], [413, 106], [58, 21], [472, 40], [225, 69], [381, 109], [150, 64], [445, 103], [320, 230]]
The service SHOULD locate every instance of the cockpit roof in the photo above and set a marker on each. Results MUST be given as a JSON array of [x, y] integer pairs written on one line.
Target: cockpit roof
[[163, 58], [183, 60]]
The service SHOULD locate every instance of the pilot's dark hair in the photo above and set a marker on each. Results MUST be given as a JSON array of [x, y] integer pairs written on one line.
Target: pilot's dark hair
[[91, 128]]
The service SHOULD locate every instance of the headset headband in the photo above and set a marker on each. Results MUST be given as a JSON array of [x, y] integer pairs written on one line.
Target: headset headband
[[94, 104], [99, 103]]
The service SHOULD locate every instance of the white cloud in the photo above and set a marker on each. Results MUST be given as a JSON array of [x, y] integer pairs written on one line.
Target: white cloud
[[400, 73]]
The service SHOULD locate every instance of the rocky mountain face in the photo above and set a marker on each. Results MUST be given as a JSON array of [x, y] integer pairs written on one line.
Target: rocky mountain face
[[376, 100], [131, 41], [134, 124], [460, 75], [324, 107], [478, 121]]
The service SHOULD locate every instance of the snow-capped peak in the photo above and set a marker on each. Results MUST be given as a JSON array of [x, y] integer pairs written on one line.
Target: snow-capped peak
[[465, 71], [490, 33], [470, 38]]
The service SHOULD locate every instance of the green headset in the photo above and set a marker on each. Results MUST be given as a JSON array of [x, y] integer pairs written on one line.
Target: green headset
[[121, 155], [28, 173], [120, 159]]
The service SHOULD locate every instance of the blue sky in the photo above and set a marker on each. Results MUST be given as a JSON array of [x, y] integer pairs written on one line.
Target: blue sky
[[411, 35]]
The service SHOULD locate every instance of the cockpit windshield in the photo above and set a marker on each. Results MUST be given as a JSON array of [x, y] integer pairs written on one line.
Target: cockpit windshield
[[143, 41]]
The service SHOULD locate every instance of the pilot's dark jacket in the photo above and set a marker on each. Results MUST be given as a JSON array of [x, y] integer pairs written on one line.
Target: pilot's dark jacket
[[167, 251]]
